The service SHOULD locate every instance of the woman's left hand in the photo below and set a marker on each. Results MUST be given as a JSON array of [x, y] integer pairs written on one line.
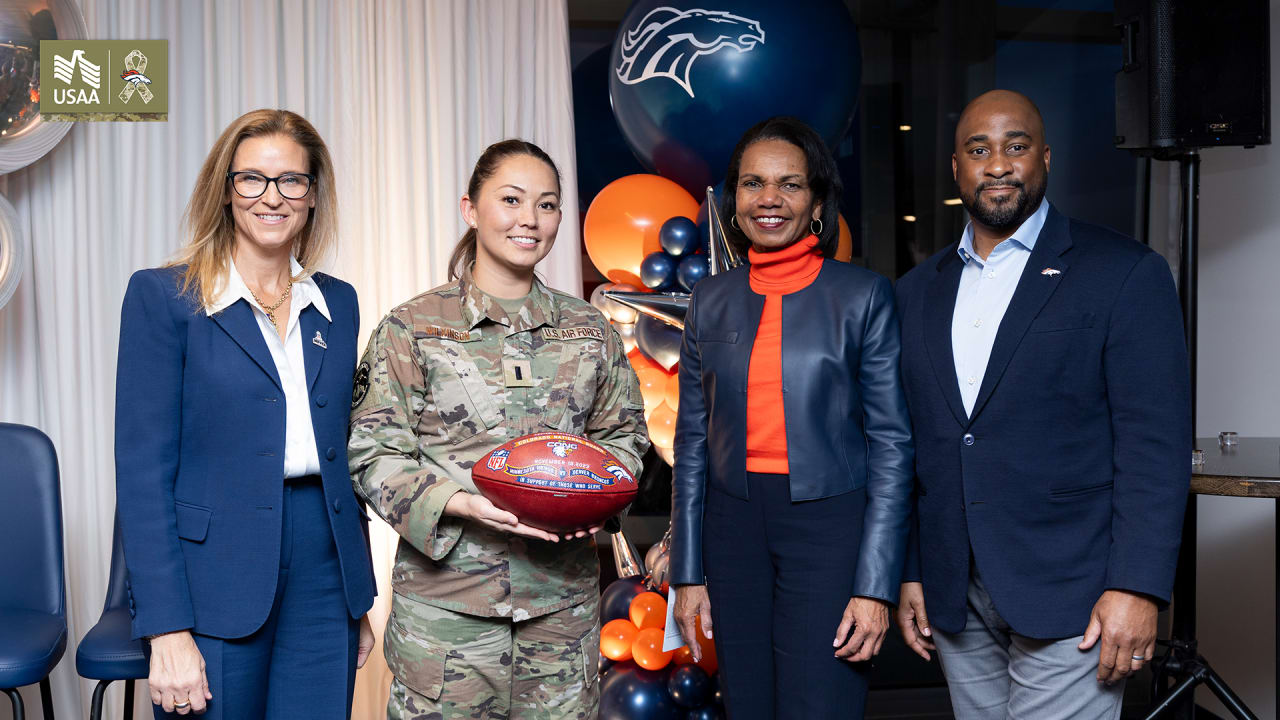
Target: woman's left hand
[[365, 644], [868, 618]]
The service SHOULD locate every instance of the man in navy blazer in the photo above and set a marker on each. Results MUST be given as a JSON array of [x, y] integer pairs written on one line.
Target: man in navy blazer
[[1046, 375]]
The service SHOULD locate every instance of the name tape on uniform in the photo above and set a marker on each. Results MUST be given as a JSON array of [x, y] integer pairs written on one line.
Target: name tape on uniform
[[449, 333], [578, 333]]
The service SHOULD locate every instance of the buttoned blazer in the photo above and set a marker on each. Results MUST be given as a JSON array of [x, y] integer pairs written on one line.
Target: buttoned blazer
[[846, 419], [1071, 474], [200, 442]]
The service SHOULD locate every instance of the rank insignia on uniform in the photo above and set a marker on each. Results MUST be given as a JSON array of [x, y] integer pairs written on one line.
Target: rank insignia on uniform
[[319, 340], [360, 387], [517, 373]]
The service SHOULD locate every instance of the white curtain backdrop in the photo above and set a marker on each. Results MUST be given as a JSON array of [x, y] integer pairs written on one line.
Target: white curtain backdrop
[[407, 93]]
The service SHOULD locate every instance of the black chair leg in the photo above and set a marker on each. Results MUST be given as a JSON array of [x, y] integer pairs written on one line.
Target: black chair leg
[[128, 699], [95, 710], [46, 698], [16, 700]]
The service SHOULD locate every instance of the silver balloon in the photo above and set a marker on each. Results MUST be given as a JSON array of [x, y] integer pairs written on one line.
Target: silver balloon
[[655, 552], [24, 135], [627, 331], [13, 251], [659, 571], [602, 303], [611, 308]]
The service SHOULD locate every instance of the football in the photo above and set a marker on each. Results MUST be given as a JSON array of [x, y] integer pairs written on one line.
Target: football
[[555, 481]]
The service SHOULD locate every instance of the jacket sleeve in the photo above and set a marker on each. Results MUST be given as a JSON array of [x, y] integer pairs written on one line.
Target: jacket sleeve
[[617, 416], [387, 469], [890, 451], [911, 566], [148, 442], [1148, 393], [689, 480]]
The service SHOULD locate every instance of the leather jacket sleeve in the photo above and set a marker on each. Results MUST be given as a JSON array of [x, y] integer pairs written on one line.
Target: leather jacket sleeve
[[890, 451], [689, 480]]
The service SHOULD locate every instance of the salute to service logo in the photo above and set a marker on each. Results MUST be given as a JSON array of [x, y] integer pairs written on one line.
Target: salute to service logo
[[104, 79]]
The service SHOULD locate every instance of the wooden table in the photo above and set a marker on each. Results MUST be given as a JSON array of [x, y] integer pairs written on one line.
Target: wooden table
[[1250, 469]]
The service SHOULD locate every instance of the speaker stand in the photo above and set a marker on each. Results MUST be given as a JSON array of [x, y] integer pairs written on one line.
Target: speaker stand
[[1181, 661]]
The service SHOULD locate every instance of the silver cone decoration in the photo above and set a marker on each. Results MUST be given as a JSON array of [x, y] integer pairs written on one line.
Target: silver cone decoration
[[670, 308], [626, 560], [723, 255]]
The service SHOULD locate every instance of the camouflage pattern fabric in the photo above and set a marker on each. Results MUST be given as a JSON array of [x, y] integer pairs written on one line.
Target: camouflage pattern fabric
[[451, 665], [437, 389]]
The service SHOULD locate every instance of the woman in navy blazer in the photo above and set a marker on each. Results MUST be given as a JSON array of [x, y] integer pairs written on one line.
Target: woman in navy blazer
[[248, 556], [793, 452]]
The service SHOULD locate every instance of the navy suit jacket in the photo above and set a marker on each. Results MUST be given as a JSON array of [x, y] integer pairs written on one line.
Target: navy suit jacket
[[1071, 475], [200, 439], [847, 426]]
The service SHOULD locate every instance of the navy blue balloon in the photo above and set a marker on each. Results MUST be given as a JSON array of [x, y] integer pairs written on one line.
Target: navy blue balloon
[[691, 270], [658, 271], [605, 665], [690, 686], [603, 154], [629, 692], [615, 601], [706, 712], [687, 78], [717, 693], [658, 340], [679, 236]]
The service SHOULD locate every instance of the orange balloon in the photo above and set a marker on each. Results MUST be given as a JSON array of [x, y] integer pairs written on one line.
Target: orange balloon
[[673, 390], [640, 360], [708, 648], [649, 610], [844, 249], [653, 383], [616, 638], [662, 426], [682, 655], [624, 219], [647, 649]]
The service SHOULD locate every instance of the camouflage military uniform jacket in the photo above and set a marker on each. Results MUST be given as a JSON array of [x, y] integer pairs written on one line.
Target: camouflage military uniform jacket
[[431, 399]]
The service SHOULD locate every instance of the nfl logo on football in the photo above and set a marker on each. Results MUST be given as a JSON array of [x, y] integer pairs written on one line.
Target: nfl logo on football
[[498, 460]]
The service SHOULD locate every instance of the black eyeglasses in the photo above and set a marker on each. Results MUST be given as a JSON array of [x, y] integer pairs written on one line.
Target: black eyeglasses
[[249, 184]]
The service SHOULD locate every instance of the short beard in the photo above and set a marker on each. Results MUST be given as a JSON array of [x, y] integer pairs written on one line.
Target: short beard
[[1008, 214]]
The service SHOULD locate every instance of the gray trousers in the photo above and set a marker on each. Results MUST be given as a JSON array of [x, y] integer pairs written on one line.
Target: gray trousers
[[996, 674]]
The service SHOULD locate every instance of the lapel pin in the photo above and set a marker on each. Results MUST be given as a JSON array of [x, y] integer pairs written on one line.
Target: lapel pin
[[1047, 271], [317, 340]]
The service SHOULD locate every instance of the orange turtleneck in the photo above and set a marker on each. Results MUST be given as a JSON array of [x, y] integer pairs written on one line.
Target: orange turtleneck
[[773, 274]]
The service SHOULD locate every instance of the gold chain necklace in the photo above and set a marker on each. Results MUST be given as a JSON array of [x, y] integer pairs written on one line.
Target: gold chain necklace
[[271, 310]]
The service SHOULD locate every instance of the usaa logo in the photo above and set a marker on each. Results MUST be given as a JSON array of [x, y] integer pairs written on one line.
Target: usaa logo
[[667, 42]]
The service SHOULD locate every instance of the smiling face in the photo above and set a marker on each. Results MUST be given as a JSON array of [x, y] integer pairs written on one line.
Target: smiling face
[[774, 203], [516, 214], [270, 221], [1001, 161]]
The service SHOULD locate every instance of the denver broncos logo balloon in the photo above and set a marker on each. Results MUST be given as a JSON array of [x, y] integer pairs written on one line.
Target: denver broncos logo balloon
[[666, 42]]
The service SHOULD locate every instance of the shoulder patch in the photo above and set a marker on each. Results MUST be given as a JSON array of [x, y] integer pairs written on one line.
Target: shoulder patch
[[573, 333], [360, 387]]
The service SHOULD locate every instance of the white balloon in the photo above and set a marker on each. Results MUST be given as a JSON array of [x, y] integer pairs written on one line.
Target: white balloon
[[627, 331], [620, 312], [602, 303]]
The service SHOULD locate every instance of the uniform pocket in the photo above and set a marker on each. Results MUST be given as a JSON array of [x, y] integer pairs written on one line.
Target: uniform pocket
[[460, 395], [416, 662], [193, 521], [590, 649], [573, 390]]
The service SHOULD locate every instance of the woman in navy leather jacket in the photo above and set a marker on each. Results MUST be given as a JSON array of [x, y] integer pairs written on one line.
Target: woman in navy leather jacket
[[793, 452]]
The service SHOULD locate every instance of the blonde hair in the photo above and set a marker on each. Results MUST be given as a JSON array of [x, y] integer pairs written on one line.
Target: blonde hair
[[208, 223]]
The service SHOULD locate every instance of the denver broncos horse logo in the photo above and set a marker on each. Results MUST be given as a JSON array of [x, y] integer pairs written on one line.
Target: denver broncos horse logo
[[666, 42]]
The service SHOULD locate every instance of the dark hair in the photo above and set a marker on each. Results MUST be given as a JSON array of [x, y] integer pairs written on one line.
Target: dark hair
[[824, 179], [464, 253]]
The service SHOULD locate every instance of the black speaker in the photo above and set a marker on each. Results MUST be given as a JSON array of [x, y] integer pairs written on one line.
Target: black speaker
[[1196, 74]]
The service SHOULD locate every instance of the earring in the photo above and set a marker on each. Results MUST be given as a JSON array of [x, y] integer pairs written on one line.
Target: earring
[[733, 220], [819, 230]]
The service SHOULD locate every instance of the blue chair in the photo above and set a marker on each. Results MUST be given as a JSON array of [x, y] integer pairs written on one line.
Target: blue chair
[[33, 607], [107, 653]]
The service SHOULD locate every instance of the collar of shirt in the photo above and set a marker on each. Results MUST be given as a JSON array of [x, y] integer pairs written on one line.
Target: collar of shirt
[[305, 291], [538, 308], [1025, 235]]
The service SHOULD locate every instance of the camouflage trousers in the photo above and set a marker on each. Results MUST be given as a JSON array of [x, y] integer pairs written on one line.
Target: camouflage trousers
[[449, 665]]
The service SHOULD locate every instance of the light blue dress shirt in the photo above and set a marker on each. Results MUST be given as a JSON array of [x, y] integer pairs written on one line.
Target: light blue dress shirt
[[986, 287]]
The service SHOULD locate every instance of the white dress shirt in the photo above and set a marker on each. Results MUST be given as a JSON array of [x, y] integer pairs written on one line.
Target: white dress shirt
[[986, 287], [300, 454]]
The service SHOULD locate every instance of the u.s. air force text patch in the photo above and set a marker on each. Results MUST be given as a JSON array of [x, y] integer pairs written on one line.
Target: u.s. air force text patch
[[574, 333]]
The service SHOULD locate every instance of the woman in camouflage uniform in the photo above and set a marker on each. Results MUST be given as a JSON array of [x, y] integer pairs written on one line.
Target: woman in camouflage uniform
[[490, 618]]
